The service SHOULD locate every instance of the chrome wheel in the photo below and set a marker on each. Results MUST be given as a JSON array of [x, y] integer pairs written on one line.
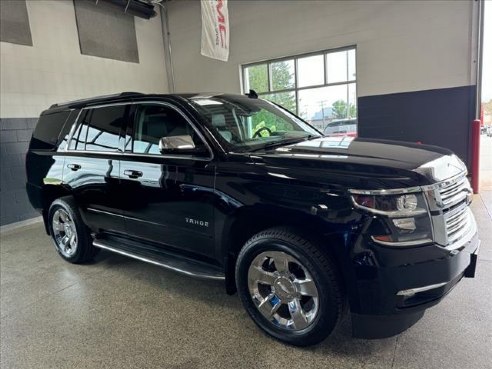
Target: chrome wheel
[[64, 233], [283, 290]]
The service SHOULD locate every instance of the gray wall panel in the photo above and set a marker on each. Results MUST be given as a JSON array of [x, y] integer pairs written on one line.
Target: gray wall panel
[[105, 31], [15, 134], [439, 117], [14, 22]]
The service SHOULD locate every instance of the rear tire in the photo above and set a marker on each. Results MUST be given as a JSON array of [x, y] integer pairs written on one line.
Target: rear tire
[[290, 289], [70, 235]]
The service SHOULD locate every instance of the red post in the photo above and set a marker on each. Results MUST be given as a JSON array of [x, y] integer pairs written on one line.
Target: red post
[[475, 159]]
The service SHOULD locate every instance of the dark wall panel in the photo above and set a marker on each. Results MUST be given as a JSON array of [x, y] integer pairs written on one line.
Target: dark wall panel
[[105, 31], [15, 134], [436, 117], [14, 22]]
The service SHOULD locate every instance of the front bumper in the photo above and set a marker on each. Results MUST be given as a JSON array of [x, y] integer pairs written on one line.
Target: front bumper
[[393, 288]]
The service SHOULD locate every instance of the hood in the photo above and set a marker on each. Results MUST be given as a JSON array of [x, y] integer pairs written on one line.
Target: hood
[[375, 163]]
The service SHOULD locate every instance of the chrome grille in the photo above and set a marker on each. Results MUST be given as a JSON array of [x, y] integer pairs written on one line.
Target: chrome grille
[[454, 193], [452, 198], [457, 223]]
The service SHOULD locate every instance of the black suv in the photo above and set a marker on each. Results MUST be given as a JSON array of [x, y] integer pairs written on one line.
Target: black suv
[[236, 188]]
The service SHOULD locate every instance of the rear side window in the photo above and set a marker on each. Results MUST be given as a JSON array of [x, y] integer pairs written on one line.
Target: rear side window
[[80, 134], [50, 126], [99, 129]]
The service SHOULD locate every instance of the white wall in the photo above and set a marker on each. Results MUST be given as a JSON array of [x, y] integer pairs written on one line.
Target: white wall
[[54, 70], [401, 45]]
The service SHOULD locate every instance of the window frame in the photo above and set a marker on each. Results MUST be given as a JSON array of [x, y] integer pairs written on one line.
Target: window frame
[[296, 87], [77, 125], [130, 129]]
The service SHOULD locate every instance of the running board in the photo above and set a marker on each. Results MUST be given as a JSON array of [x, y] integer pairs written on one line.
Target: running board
[[168, 261]]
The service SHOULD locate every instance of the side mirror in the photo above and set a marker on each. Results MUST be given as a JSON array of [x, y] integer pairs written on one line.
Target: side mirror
[[180, 145], [184, 142]]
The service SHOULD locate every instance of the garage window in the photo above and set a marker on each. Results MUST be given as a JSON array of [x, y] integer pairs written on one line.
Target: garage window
[[320, 87]]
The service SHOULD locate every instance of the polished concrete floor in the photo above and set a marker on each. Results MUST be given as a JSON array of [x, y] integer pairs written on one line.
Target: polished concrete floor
[[121, 313]]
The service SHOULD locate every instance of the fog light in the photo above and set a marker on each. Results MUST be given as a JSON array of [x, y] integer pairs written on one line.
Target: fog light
[[407, 202], [412, 291], [405, 224]]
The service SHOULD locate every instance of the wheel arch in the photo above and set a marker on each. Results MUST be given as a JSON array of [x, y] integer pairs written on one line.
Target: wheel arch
[[49, 194], [249, 220]]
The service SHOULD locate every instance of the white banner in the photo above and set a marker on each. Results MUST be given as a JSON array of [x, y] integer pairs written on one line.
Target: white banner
[[215, 29]]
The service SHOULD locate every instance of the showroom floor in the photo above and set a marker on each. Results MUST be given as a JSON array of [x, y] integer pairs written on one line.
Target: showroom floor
[[121, 313]]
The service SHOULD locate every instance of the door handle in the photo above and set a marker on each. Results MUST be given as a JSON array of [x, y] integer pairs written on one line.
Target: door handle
[[132, 173], [74, 167]]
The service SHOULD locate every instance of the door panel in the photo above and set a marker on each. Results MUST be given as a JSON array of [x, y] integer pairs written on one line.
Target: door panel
[[172, 196], [92, 166], [95, 185], [171, 203]]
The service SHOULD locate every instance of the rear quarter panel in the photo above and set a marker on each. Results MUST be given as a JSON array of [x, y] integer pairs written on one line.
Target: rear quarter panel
[[45, 159]]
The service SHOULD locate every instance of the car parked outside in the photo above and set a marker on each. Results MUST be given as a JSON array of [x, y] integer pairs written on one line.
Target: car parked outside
[[343, 127]]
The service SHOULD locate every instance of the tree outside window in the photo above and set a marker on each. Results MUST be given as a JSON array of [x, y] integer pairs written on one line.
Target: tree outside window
[[319, 87]]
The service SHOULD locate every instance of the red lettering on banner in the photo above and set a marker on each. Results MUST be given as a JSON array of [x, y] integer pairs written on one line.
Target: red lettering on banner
[[221, 20], [222, 31], [220, 16]]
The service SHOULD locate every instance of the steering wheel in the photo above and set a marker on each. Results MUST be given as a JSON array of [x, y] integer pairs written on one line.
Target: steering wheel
[[257, 133]]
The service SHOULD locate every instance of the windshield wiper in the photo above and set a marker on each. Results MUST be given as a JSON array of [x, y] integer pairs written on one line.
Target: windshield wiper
[[285, 142]]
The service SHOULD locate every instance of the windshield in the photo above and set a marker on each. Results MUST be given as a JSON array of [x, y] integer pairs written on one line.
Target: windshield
[[247, 124]]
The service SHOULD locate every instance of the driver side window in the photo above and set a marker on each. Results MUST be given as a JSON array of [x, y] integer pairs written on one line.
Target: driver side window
[[153, 122]]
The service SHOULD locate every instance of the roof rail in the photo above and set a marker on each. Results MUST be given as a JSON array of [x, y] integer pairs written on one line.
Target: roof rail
[[96, 98]]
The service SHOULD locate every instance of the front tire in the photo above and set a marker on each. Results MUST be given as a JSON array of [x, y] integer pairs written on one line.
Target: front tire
[[70, 235], [289, 288]]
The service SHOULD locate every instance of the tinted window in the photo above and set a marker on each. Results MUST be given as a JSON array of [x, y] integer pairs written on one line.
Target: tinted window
[[99, 129], [80, 134], [154, 122], [49, 128]]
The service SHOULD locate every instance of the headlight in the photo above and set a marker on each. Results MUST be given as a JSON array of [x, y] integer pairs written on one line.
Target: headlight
[[407, 202], [405, 218], [391, 205]]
